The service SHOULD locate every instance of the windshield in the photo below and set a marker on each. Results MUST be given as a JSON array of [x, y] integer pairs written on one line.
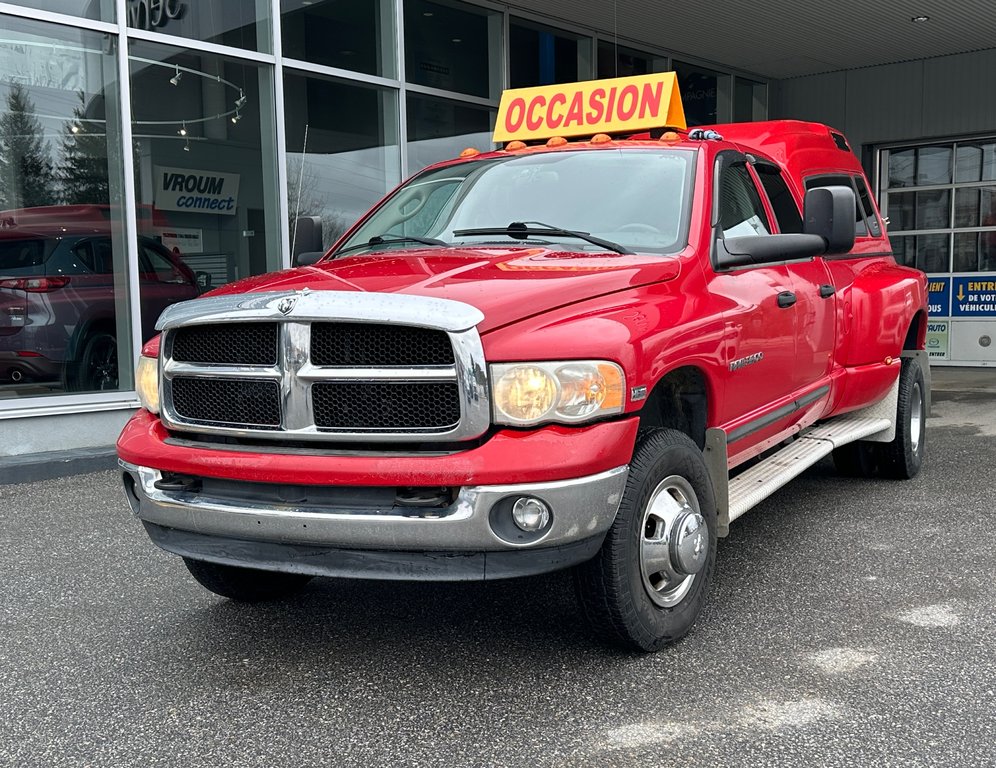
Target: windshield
[[636, 198]]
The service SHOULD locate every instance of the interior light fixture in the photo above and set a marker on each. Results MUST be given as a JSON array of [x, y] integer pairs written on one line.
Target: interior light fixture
[[236, 117], [920, 19], [457, 40], [175, 80], [75, 128], [241, 101], [183, 129], [186, 146]]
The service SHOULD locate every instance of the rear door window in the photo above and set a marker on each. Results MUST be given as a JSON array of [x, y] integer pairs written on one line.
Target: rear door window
[[782, 202]]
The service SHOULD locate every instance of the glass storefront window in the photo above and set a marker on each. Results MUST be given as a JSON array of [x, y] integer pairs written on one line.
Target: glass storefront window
[[354, 36], [540, 55], [453, 46], [100, 10], [617, 61], [64, 319], [238, 23], [750, 100], [439, 129], [935, 193], [975, 162], [205, 168], [343, 152], [705, 94]]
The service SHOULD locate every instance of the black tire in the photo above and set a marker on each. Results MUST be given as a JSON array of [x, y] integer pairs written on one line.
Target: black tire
[[667, 474], [857, 459], [97, 368], [902, 458], [245, 585]]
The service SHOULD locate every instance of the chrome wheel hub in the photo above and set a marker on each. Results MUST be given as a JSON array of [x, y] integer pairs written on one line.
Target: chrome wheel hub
[[674, 543]]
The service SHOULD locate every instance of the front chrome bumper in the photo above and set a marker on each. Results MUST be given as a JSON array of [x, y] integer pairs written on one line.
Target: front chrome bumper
[[583, 509]]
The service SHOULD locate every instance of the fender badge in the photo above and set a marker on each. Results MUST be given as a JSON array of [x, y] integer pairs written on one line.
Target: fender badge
[[637, 393]]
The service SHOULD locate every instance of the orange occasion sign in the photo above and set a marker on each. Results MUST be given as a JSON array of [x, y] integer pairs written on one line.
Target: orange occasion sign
[[596, 106]]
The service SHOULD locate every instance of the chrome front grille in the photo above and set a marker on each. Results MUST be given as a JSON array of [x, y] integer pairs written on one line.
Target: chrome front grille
[[324, 366]]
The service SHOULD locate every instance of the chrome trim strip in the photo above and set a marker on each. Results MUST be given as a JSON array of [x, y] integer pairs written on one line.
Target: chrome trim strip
[[324, 306], [327, 373], [582, 507], [171, 369]]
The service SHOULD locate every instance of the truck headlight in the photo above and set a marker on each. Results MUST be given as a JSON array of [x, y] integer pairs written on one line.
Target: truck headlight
[[568, 392], [147, 383]]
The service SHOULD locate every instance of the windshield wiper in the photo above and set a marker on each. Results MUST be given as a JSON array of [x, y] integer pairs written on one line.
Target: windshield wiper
[[522, 230], [391, 239]]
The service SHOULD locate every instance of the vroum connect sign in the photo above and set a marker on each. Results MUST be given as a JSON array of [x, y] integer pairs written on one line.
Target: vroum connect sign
[[182, 189], [597, 106]]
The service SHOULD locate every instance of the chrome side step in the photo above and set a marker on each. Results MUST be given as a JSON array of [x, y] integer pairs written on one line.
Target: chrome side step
[[754, 485], [735, 496]]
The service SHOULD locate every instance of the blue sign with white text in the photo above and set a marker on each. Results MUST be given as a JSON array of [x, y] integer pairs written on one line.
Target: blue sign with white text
[[973, 296], [939, 289]]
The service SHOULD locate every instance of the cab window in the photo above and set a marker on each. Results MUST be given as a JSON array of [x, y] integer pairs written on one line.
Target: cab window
[[782, 202], [740, 210], [864, 214]]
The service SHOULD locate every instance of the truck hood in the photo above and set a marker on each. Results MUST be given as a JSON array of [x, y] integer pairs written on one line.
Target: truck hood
[[506, 284]]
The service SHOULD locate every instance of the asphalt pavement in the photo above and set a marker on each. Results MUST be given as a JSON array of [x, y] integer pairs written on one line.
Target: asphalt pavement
[[851, 623]]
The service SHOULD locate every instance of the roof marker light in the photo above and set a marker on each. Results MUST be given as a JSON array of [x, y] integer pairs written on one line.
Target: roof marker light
[[556, 141], [670, 136], [514, 145], [601, 138], [470, 152]]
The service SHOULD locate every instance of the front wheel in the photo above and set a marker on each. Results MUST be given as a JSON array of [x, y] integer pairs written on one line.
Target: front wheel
[[245, 585], [648, 583]]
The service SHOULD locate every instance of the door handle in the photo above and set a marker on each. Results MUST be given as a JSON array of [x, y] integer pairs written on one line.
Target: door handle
[[826, 291], [786, 299]]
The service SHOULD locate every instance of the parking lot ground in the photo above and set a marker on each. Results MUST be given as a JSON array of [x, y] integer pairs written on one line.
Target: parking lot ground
[[851, 623]]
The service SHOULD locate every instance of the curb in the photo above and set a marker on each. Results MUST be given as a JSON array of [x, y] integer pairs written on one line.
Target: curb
[[33, 467]]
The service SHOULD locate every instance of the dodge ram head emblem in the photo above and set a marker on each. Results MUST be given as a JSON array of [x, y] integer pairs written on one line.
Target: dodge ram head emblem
[[286, 304]]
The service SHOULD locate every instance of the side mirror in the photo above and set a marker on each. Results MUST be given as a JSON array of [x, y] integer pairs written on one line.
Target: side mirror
[[307, 258], [307, 237], [766, 249], [831, 213]]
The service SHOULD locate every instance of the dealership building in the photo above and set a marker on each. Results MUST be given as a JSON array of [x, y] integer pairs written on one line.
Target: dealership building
[[150, 149]]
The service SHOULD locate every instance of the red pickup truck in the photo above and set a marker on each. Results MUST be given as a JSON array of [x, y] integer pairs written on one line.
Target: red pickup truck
[[591, 353]]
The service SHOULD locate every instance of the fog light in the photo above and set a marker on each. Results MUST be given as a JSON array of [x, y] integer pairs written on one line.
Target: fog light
[[530, 514]]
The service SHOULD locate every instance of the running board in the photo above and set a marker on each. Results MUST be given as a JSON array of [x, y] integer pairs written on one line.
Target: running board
[[746, 490]]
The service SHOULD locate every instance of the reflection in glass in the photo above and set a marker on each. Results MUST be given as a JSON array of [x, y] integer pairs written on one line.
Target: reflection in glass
[[453, 46], [975, 162], [705, 94], [541, 55], [902, 210], [618, 61], [238, 23], [902, 168], [975, 207], [355, 36], [64, 322], [101, 10], [966, 252], [933, 165], [205, 169], [343, 152], [750, 100], [439, 129], [904, 249], [932, 252], [933, 209]]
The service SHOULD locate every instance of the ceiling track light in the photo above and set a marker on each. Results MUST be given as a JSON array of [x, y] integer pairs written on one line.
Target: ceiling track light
[[186, 146], [183, 129], [175, 80], [236, 117], [241, 101], [75, 128]]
